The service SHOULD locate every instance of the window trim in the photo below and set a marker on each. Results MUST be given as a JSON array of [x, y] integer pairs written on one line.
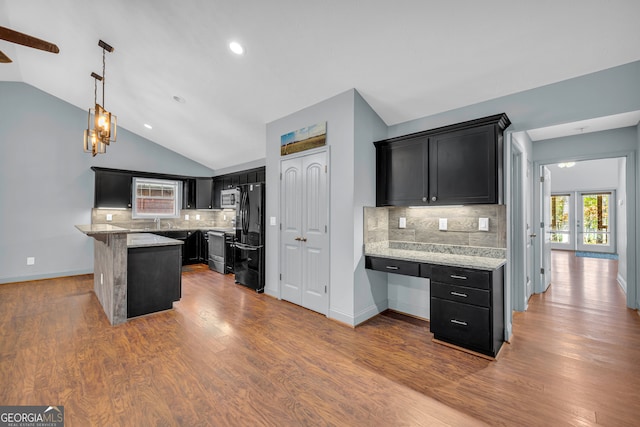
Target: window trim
[[177, 186]]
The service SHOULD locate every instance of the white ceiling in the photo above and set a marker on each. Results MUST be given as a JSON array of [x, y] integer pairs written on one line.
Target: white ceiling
[[408, 59], [586, 126]]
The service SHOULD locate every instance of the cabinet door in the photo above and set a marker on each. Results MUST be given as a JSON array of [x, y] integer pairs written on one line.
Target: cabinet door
[[218, 184], [402, 173], [463, 167], [204, 193], [191, 254], [112, 189], [188, 194]]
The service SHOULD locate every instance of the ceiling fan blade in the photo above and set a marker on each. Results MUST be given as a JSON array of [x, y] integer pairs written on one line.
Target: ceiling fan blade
[[27, 40], [4, 59]]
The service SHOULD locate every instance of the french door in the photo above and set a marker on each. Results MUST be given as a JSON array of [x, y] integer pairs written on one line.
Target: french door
[[583, 221], [595, 223]]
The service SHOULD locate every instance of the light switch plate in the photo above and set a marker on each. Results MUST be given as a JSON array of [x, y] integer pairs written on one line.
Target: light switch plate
[[483, 224], [31, 260], [403, 223], [197, 217], [186, 217], [272, 220], [442, 224], [109, 217]]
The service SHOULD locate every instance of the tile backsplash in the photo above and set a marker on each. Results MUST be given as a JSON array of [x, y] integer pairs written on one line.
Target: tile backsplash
[[422, 225], [122, 218]]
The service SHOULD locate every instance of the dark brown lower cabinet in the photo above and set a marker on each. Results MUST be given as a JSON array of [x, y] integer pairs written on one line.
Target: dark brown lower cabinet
[[467, 308], [154, 279]]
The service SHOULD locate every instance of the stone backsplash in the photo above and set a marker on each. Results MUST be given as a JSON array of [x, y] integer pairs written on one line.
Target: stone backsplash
[[122, 218], [422, 225]]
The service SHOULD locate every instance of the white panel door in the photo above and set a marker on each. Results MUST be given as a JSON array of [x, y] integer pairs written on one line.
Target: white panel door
[[304, 235], [291, 230]]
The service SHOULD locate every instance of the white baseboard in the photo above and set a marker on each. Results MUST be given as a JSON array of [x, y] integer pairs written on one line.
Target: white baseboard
[[622, 283], [420, 311]]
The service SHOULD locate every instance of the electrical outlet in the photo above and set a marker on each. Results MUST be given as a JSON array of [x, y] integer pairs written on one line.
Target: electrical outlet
[[186, 217], [197, 217], [109, 217], [403, 223], [442, 224], [224, 217], [483, 224], [31, 260]]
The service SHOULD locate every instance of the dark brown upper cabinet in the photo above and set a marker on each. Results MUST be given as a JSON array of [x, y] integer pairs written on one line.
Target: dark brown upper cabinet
[[453, 165]]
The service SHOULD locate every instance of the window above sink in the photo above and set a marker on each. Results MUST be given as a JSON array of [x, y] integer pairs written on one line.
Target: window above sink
[[156, 198]]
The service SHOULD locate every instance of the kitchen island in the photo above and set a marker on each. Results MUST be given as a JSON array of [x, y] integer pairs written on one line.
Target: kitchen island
[[134, 274]]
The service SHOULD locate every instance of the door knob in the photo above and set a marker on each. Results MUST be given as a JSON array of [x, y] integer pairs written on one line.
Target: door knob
[[304, 239], [298, 238], [533, 235]]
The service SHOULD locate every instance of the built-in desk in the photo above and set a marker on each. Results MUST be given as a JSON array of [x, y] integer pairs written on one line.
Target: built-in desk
[[466, 289]]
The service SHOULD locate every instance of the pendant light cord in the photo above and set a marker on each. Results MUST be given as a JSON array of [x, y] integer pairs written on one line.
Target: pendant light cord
[[103, 78]]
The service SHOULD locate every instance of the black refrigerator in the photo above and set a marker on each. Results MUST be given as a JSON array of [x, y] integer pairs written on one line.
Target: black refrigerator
[[249, 243]]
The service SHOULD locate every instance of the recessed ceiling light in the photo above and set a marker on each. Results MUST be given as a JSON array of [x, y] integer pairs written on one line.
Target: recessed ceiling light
[[236, 48], [179, 99], [148, 126]]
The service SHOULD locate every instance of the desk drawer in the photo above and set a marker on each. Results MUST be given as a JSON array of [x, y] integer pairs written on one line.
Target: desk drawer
[[462, 294], [462, 324], [407, 268], [461, 276]]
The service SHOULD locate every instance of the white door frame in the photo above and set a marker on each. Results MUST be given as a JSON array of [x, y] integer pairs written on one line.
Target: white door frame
[[633, 219]]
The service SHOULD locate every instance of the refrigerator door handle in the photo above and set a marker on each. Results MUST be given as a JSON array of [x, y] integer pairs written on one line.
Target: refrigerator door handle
[[248, 247]]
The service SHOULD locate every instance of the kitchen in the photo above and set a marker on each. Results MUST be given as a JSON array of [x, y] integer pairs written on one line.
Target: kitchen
[[144, 214]]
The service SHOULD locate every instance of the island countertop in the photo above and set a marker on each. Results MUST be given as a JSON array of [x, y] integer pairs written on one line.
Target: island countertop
[[91, 229], [142, 240]]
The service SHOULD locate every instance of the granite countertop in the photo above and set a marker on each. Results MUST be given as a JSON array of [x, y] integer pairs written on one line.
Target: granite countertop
[[142, 240], [451, 255], [153, 230], [91, 229]]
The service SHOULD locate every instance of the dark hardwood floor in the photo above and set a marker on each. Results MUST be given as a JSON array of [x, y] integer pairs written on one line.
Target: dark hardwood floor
[[228, 356]]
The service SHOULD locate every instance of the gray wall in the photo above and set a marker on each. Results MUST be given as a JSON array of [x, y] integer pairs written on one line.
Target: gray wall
[[47, 185], [612, 91], [370, 287]]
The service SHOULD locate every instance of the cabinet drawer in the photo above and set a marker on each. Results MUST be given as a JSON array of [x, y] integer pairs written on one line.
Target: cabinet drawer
[[407, 268], [461, 276], [461, 324], [462, 294]]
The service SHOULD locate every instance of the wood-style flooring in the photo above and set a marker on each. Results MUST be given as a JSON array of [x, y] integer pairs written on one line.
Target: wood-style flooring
[[230, 357]]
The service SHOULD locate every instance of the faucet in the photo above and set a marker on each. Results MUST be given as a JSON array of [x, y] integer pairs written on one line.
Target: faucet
[[157, 221]]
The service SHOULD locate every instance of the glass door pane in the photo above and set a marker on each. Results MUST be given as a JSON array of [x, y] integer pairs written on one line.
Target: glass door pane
[[595, 227], [560, 227]]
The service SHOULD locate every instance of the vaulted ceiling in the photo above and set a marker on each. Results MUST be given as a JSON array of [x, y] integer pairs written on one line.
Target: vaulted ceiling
[[408, 59]]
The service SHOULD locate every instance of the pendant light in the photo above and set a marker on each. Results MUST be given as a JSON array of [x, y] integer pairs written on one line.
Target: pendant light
[[104, 128]]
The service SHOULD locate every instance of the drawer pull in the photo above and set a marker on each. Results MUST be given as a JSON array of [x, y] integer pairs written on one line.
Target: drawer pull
[[458, 322], [458, 294], [391, 267], [453, 276]]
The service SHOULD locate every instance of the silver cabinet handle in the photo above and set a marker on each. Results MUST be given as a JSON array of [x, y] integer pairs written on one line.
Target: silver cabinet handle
[[458, 322], [434, 198], [424, 199], [458, 294], [391, 267], [453, 276]]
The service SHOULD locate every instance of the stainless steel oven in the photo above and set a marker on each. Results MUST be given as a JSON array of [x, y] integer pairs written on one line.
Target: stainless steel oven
[[229, 199]]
